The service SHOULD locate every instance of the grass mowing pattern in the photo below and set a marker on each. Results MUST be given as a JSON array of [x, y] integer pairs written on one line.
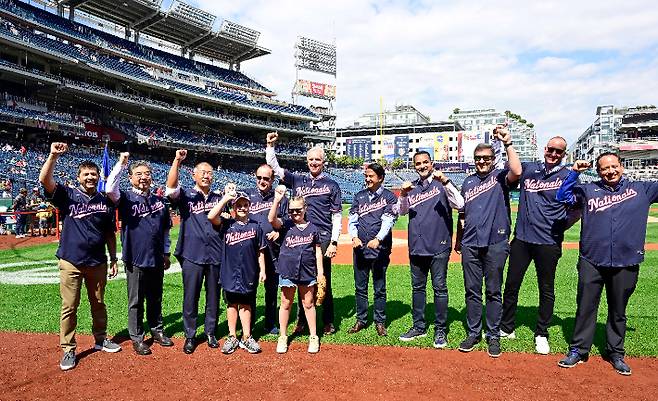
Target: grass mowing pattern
[[35, 308]]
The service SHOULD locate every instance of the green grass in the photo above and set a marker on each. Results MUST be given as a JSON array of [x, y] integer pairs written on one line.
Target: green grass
[[35, 308]]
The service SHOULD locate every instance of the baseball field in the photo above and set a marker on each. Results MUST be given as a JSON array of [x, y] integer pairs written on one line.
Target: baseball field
[[361, 365]]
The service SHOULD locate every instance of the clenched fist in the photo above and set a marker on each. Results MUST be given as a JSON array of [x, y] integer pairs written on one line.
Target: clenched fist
[[280, 192], [181, 154], [581, 165], [123, 158], [272, 138], [407, 186], [57, 148]]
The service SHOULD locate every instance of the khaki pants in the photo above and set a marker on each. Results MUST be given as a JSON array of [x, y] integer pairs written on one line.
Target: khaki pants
[[70, 283]]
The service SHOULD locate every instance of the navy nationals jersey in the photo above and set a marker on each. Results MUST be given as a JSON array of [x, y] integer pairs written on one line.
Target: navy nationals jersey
[[370, 212], [297, 257], [430, 219], [322, 196], [86, 222], [242, 244], [198, 240], [614, 220], [145, 221], [541, 218], [486, 209]]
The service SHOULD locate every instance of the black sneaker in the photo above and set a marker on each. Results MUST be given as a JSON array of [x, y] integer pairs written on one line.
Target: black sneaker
[[469, 343], [493, 347], [620, 366], [572, 359], [440, 341], [412, 334]]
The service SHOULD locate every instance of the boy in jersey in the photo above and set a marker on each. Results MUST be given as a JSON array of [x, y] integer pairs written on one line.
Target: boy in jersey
[[198, 248], [145, 238], [612, 235], [370, 221], [88, 226], [242, 266], [482, 234]]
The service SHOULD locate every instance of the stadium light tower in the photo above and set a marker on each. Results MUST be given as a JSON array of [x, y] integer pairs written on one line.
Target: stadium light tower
[[313, 55]]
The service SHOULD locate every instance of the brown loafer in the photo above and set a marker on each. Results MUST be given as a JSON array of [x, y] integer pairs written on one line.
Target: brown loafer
[[381, 329], [329, 329], [358, 326]]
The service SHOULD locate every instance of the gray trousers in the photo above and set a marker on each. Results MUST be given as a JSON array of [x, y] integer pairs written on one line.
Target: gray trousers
[[144, 284]]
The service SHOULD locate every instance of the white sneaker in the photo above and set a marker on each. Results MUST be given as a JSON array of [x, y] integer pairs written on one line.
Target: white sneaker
[[282, 345], [508, 336], [313, 344], [541, 345]]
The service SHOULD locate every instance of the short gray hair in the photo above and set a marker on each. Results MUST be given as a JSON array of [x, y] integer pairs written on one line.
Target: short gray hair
[[316, 149]]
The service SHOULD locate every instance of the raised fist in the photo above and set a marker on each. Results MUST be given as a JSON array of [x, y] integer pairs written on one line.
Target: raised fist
[[57, 148], [271, 138], [280, 192], [581, 165], [181, 154], [230, 191], [438, 175], [406, 187], [123, 158], [502, 133]]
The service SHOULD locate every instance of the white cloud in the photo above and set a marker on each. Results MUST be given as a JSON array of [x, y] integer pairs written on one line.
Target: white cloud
[[552, 62]]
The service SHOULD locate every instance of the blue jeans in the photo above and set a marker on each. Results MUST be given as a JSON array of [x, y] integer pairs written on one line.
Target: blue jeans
[[21, 220], [421, 266], [362, 268], [484, 262]]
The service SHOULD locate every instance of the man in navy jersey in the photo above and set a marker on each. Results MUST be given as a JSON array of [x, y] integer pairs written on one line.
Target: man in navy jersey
[[199, 248], [370, 221], [612, 235], [261, 198], [88, 226], [482, 234], [323, 200], [145, 224], [429, 202], [540, 225]]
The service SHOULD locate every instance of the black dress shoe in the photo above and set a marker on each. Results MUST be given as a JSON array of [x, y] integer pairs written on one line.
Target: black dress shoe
[[212, 342], [329, 329], [358, 326], [141, 348], [160, 338], [189, 345]]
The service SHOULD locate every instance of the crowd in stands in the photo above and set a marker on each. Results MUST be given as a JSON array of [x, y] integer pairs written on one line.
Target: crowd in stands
[[143, 73], [120, 45]]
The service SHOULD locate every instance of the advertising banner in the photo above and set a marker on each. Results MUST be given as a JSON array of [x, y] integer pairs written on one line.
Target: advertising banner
[[441, 147], [470, 140], [359, 147], [315, 89], [401, 147]]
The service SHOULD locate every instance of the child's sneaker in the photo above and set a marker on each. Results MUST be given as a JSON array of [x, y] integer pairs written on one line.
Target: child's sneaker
[[250, 345], [230, 345], [282, 345], [313, 344]]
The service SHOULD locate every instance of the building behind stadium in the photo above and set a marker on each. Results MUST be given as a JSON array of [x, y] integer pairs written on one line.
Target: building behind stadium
[[403, 131]]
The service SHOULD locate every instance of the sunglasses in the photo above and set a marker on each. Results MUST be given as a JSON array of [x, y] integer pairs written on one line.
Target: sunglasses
[[557, 151], [483, 158], [263, 178], [295, 211]]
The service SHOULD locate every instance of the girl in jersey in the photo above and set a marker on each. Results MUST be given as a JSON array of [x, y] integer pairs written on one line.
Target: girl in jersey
[[299, 266], [242, 267]]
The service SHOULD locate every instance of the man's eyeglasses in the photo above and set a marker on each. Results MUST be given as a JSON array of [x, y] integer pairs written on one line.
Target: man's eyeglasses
[[295, 211], [483, 158], [263, 178], [557, 151]]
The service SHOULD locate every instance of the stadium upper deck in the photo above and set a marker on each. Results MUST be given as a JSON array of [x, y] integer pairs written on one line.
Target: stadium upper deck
[[82, 47]]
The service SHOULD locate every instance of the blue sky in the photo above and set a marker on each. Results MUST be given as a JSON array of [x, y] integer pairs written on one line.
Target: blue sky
[[552, 62]]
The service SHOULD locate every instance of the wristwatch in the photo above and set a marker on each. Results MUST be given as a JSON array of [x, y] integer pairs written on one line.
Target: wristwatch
[[334, 243]]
